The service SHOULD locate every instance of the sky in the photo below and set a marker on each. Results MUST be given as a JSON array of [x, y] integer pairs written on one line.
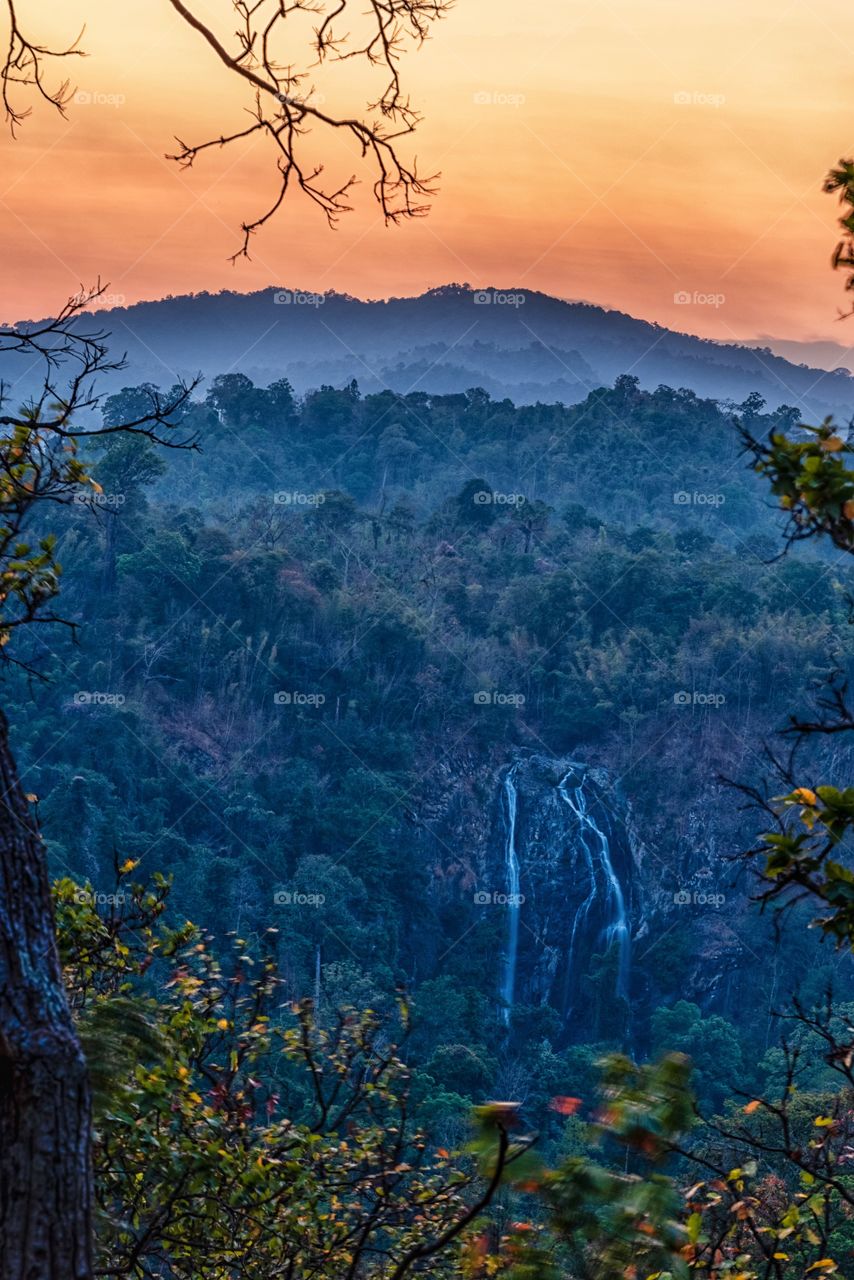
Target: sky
[[659, 157]]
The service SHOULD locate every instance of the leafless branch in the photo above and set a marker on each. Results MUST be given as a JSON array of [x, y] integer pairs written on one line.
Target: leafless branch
[[71, 355], [284, 112], [25, 64], [285, 108]]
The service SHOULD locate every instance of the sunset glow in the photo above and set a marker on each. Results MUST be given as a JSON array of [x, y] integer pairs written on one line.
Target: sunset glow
[[631, 158]]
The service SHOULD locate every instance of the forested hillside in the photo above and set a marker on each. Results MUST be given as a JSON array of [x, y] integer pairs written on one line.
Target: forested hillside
[[309, 653], [513, 342]]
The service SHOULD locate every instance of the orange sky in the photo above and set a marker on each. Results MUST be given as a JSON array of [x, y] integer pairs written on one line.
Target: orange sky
[[624, 151]]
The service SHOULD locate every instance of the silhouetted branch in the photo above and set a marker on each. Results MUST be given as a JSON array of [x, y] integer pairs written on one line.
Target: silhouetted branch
[[284, 109], [72, 357], [24, 65], [284, 112]]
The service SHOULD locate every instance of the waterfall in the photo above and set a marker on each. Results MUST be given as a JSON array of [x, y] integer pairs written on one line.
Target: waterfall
[[511, 861], [603, 879], [580, 917], [563, 824]]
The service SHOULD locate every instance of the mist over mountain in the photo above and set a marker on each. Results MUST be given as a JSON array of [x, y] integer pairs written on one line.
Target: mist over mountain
[[513, 343], [818, 353]]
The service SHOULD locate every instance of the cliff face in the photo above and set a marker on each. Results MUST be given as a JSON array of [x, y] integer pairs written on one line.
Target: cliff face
[[571, 880], [592, 917]]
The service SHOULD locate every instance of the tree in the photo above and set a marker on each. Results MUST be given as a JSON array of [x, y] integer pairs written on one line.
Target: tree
[[474, 504], [45, 1181], [806, 467], [804, 852], [711, 1044], [760, 1194], [276, 49], [245, 1136], [531, 519], [44, 1140], [45, 1195], [611, 1223], [841, 180], [126, 464]]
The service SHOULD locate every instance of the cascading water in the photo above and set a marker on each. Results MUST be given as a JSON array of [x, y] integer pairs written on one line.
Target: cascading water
[[511, 860], [580, 918], [561, 826], [603, 880]]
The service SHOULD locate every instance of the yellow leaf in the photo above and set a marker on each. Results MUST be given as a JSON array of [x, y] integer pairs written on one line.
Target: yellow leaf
[[223, 1024], [128, 865]]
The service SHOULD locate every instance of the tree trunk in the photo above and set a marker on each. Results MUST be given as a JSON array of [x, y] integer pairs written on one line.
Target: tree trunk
[[45, 1171]]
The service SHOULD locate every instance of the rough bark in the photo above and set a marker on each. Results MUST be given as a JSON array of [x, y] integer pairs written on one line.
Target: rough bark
[[45, 1170]]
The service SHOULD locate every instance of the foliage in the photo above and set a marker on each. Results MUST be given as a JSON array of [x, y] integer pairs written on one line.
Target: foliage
[[805, 853], [809, 476], [40, 449], [265, 692], [617, 1220], [237, 1135]]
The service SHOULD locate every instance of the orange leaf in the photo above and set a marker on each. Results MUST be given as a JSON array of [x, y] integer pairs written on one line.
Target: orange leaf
[[565, 1106]]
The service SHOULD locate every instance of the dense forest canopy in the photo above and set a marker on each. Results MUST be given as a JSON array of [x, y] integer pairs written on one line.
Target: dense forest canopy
[[292, 653]]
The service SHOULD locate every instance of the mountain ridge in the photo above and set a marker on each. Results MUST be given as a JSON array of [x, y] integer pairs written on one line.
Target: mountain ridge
[[524, 345]]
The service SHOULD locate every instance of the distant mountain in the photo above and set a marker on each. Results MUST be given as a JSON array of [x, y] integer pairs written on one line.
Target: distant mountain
[[820, 354], [514, 343]]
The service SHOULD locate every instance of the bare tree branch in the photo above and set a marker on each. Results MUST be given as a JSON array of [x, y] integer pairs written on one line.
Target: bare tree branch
[[25, 65], [285, 109]]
